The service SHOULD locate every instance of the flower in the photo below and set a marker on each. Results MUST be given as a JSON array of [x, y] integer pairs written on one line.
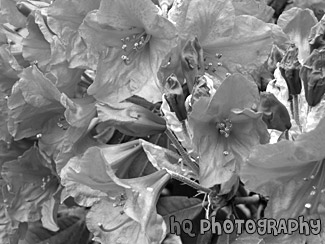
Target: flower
[[290, 68], [313, 77], [224, 126], [296, 23], [132, 39], [123, 208], [292, 174]]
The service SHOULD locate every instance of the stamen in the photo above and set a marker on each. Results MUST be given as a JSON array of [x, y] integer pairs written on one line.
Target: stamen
[[131, 46], [224, 127]]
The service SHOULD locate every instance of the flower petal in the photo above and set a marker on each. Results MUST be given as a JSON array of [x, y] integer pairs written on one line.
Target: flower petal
[[290, 172], [296, 23], [131, 119], [258, 9], [29, 184]]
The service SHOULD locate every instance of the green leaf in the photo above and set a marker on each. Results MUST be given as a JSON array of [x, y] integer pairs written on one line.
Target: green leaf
[[180, 207]]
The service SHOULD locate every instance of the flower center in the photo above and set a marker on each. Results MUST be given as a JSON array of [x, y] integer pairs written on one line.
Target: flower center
[[131, 45], [224, 127]]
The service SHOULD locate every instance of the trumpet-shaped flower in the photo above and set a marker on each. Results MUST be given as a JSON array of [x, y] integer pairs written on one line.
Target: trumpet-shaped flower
[[292, 174], [225, 125], [133, 40], [123, 208], [231, 43]]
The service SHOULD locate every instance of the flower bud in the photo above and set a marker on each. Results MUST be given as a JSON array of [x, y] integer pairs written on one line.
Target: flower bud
[[175, 97], [316, 37], [313, 75], [192, 61], [275, 114], [290, 68]]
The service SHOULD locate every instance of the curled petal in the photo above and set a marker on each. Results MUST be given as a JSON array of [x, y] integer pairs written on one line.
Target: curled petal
[[297, 23]]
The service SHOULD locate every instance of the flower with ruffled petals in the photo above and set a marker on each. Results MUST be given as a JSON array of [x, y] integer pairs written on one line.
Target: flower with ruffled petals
[[123, 202], [225, 125], [292, 174], [133, 40]]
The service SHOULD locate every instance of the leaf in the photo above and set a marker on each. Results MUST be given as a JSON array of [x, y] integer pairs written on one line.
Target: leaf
[[72, 230], [29, 184], [296, 23], [179, 207], [180, 130], [163, 158], [131, 119]]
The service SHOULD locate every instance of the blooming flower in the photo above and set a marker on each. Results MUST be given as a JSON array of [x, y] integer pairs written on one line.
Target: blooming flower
[[291, 173], [123, 208], [132, 39], [225, 125], [230, 43]]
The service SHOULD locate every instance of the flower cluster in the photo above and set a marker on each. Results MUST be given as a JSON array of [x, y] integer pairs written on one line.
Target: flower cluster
[[106, 105]]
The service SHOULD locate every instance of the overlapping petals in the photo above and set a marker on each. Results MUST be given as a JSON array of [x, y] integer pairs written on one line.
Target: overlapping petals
[[123, 207], [133, 40], [225, 125]]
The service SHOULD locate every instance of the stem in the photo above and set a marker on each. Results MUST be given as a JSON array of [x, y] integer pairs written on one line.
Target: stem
[[187, 181], [182, 152], [296, 111], [247, 200]]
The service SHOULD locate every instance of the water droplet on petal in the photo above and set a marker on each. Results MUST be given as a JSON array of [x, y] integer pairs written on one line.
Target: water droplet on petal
[[312, 193], [150, 189], [228, 74], [322, 191], [308, 205], [225, 153], [38, 136], [312, 177], [305, 179]]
